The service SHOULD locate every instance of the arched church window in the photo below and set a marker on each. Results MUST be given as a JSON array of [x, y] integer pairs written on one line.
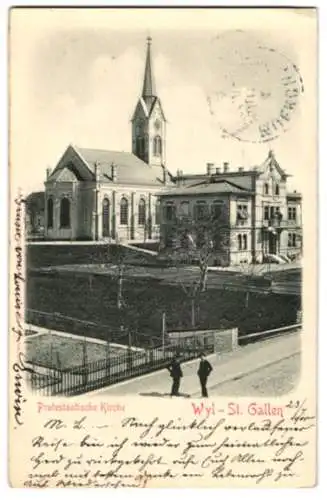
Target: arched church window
[[277, 189], [105, 217], [65, 213], [139, 127], [142, 212], [124, 212], [157, 145], [139, 145], [50, 212], [266, 188]]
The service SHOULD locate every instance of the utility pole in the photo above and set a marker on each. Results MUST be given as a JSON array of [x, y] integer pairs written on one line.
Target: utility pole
[[120, 286], [84, 354], [193, 312], [163, 330]]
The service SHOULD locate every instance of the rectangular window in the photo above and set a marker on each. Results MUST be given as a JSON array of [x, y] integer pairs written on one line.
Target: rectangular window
[[170, 212], [242, 214], [245, 241], [272, 212], [201, 210], [185, 208], [266, 213], [242, 241], [291, 240], [291, 213], [216, 210]]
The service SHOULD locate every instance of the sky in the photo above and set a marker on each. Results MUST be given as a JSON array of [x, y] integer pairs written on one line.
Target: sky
[[78, 82]]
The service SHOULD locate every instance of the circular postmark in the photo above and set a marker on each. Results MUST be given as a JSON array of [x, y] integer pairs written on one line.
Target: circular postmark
[[257, 91]]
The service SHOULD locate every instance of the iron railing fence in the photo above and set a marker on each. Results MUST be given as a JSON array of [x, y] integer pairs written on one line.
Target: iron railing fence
[[88, 376]]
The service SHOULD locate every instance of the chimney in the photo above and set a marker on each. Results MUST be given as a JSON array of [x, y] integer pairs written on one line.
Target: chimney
[[49, 170], [164, 174], [217, 170], [114, 172], [179, 177], [210, 168], [241, 169], [226, 166]]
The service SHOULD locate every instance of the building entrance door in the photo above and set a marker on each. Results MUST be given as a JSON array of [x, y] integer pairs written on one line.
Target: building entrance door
[[272, 242]]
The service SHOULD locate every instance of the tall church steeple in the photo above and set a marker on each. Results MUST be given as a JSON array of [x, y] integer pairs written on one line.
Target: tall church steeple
[[149, 87], [148, 122]]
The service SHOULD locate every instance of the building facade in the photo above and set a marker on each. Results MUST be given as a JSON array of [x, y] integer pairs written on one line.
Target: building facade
[[243, 216], [97, 194]]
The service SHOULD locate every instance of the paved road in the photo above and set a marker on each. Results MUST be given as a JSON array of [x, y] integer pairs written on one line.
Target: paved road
[[274, 380], [227, 367]]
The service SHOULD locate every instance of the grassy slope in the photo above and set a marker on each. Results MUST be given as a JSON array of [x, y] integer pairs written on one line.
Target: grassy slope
[[145, 301]]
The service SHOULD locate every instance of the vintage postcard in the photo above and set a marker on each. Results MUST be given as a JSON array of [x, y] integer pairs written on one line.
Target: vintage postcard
[[163, 259]]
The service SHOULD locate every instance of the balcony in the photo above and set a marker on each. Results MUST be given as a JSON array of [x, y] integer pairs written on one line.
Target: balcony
[[277, 223]]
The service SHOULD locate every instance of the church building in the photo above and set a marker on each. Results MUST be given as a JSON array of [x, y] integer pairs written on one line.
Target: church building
[[95, 194]]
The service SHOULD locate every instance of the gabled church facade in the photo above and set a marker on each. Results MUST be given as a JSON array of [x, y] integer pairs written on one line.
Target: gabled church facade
[[97, 194]]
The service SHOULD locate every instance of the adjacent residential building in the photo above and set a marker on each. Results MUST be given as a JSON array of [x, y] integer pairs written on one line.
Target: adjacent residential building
[[97, 194], [241, 216]]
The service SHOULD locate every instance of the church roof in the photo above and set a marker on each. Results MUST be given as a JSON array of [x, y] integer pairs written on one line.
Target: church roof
[[129, 168], [217, 187]]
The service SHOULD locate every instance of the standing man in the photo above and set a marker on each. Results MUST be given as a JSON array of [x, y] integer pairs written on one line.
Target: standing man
[[204, 371], [176, 374]]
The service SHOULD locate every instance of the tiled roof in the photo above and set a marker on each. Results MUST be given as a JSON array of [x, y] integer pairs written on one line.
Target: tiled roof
[[294, 195], [271, 162], [130, 169], [218, 187]]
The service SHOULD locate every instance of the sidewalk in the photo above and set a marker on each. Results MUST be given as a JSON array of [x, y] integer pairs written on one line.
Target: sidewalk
[[226, 367]]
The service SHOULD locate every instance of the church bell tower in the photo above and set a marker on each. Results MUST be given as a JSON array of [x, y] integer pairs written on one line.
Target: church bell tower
[[148, 122]]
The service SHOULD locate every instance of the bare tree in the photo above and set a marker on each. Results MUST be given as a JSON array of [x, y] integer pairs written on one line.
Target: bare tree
[[121, 304], [195, 243], [250, 269]]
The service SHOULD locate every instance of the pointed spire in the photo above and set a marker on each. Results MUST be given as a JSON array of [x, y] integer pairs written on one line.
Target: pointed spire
[[149, 89]]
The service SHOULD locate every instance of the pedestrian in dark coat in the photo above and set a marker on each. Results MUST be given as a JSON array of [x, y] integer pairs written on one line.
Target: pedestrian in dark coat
[[176, 374], [204, 371]]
